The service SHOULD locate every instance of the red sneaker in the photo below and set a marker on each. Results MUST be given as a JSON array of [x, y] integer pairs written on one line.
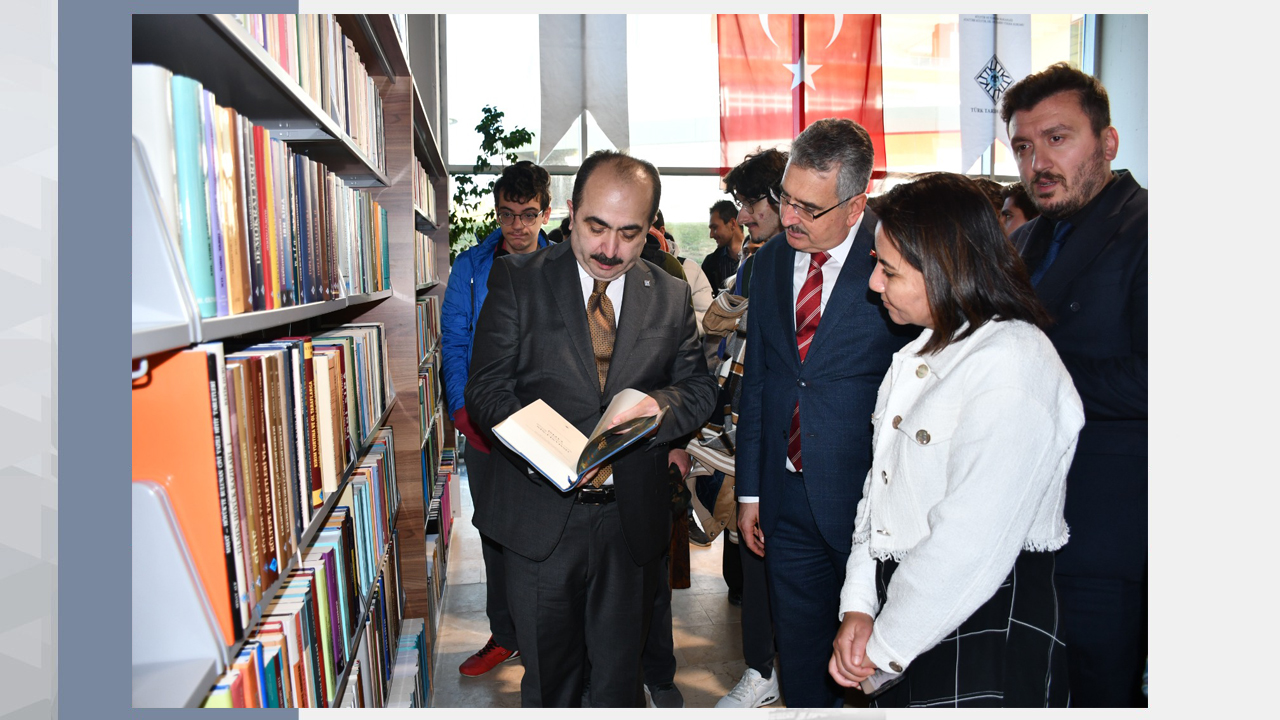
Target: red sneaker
[[486, 659]]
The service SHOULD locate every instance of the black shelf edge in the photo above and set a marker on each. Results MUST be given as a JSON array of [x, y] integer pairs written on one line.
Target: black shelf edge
[[421, 222], [219, 52]]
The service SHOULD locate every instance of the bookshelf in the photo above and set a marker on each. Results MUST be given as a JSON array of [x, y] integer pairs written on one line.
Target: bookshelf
[[176, 663]]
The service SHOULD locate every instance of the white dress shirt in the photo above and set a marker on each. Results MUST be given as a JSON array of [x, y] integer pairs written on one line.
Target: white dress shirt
[[615, 290], [830, 273]]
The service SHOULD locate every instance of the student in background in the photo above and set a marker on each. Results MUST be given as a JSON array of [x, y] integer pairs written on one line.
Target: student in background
[[522, 197], [1016, 207]]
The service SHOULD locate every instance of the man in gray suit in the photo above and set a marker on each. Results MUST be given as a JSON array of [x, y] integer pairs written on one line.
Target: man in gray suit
[[582, 566]]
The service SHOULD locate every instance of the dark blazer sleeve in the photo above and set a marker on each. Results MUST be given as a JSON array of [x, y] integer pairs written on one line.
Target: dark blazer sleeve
[[691, 396], [490, 392]]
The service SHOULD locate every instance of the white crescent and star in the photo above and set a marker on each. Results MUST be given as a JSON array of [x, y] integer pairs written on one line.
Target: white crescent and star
[[801, 72]]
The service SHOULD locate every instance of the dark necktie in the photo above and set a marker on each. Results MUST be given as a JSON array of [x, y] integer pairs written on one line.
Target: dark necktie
[[808, 313], [601, 321], [1060, 232]]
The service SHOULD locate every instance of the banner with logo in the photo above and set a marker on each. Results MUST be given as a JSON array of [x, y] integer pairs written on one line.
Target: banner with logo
[[995, 52], [779, 73]]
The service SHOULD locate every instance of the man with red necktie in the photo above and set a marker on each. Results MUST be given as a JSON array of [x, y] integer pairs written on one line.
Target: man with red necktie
[[819, 345]]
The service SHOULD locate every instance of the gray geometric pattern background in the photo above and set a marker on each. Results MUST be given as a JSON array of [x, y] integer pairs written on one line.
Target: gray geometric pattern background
[[28, 361]]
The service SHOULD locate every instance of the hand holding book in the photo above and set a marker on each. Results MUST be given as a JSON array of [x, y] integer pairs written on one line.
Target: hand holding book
[[555, 448]]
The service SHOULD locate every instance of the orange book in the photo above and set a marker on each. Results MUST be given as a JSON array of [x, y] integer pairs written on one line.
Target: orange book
[[173, 445]]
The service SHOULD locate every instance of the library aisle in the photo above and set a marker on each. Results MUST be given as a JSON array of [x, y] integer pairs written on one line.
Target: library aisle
[[706, 629]]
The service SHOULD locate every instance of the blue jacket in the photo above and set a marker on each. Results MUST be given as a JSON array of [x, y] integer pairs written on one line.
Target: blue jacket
[[463, 297]]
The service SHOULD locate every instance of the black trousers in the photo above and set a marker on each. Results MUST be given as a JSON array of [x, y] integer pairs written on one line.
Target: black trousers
[[587, 602], [1104, 622], [495, 605], [659, 658], [747, 570]]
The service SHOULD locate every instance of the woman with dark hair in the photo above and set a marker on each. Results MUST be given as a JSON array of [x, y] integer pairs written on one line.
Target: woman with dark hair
[[948, 597]]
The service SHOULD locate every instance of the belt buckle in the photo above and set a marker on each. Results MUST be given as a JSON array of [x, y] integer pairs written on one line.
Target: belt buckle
[[595, 496]]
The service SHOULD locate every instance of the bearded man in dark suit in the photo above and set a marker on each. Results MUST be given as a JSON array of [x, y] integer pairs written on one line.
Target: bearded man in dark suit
[[582, 566], [1087, 254]]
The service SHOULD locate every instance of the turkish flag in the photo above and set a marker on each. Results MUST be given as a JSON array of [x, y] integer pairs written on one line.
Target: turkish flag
[[779, 73]]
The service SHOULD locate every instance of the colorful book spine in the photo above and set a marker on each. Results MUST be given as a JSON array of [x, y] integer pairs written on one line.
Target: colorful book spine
[[212, 201], [197, 249]]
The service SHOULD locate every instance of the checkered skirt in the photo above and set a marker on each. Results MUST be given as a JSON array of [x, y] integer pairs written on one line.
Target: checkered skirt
[[1007, 654]]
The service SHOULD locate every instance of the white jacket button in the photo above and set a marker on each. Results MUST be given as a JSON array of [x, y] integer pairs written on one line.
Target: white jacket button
[[894, 666], [922, 437], [922, 371], [897, 420], [885, 475]]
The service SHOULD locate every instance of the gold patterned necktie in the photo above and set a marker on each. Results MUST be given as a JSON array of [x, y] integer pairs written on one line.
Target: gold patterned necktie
[[601, 321]]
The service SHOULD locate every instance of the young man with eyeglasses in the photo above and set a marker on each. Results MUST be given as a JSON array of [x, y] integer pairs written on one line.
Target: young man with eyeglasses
[[522, 197], [750, 184], [818, 348]]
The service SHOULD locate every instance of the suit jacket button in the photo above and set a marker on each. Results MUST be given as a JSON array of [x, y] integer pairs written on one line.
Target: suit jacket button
[[897, 420], [922, 437], [922, 371], [801, 383], [894, 666], [1075, 307]]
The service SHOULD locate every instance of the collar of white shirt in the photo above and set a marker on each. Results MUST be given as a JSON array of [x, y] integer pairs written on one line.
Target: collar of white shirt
[[830, 269], [614, 290]]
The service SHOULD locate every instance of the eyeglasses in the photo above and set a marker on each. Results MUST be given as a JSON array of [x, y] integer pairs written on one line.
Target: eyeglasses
[[805, 213], [527, 218], [746, 203]]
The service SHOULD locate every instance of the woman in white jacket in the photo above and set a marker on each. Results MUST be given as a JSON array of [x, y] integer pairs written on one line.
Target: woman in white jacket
[[948, 597]]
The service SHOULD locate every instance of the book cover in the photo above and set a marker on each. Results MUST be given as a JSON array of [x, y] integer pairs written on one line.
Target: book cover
[[555, 448], [174, 446], [263, 209], [271, 560], [249, 664], [274, 693], [284, 226], [219, 406], [193, 212], [271, 234], [253, 236], [249, 586], [312, 466], [209, 121], [230, 213], [273, 637]]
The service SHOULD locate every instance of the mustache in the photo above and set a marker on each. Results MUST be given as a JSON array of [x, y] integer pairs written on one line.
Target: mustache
[[797, 229], [606, 260], [1046, 175]]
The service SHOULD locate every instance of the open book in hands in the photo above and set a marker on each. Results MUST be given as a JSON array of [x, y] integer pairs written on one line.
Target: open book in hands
[[555, 448]]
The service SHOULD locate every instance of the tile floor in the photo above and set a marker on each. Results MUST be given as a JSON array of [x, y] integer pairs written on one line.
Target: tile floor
[[705, 627]]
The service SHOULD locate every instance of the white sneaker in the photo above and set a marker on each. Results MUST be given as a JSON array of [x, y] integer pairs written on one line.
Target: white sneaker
[[752, 691]]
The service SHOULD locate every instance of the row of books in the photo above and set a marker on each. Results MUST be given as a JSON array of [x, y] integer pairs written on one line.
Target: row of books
[[258, 226], [322, 60], [316, 630], [411, 677], [428, 309], [425, 259], [428, 393], [249, 445], [438, 517], [424, 193]]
